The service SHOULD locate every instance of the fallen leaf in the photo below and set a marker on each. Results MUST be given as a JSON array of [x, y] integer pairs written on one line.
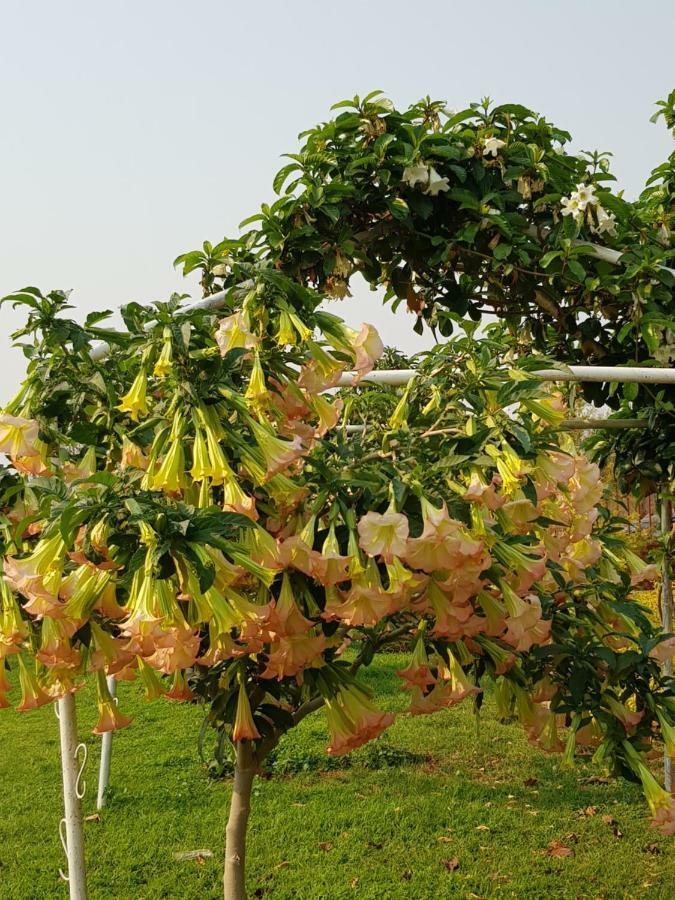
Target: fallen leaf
[[482, 827], [609, 820], [444, 839], [199, 855], [326, 845], [374, 846], [616, 832], [94, 817], [597, 779], [354, 883], [451, 864], [588, 812], [652, 848], [406, 875], [572, 837], [531, 782], [559, 850]]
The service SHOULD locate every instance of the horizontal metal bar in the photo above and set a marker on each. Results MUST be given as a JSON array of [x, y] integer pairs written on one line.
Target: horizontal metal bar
[[602, 424], [565, 425], [633, 374]]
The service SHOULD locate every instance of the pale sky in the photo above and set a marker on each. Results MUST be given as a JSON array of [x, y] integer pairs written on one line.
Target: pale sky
[[134, 130]]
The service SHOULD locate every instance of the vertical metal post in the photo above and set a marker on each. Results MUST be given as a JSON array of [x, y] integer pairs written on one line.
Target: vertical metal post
[[667, 611], [106, 753], [73, 840]]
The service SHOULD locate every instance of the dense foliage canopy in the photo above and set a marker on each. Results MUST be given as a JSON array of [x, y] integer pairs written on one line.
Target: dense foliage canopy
[[191, 505]]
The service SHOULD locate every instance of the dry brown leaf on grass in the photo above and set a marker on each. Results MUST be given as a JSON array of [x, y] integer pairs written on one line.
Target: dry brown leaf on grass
[[559, 850], [326, 846], [198, 855], [450, 864], [588, 812]]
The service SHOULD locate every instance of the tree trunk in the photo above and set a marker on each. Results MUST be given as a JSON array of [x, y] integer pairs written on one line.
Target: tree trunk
[[234, 876]]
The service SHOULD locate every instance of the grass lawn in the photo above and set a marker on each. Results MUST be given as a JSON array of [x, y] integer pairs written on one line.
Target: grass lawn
[[432, 810]]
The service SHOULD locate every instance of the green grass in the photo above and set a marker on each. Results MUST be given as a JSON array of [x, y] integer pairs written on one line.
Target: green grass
[[381, 827]]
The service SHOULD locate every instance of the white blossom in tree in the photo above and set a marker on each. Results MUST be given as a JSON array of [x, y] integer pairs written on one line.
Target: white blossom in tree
[[492, 146], [436, 183], [414, 175], [585, 195]]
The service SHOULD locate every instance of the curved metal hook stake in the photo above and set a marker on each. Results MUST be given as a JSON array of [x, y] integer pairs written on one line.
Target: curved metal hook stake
[[64, 844], [80, 784], [56, 711]]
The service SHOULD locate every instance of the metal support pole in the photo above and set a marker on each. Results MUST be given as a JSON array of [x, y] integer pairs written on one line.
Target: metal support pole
[[667, 611], [106, 753], [73, 839]]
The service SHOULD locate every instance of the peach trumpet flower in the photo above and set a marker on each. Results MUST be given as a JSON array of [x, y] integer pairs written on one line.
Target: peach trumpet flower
[[384, 534], [244, 727]]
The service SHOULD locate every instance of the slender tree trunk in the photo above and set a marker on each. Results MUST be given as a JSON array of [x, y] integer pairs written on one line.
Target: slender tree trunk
[[245, 770]]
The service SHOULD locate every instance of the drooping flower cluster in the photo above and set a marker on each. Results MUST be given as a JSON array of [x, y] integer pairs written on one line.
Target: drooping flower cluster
[[211, 531], [585, 208]]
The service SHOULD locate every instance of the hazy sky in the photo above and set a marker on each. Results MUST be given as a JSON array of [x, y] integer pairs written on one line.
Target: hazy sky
[[133, 131]]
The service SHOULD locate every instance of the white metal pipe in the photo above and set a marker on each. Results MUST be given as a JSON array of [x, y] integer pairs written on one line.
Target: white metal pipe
[[566, 424], [74, 836], [632, 374], [667, 613], [106, 752]]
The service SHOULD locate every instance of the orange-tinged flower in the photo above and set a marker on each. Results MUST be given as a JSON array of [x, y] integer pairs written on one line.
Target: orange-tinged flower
[[384, 534], [327, 411], [180, 691], [5, 686], [419, 672], [367, 602], [132, 456], [288, 656], [244, 727], [135, 401], [368, 348], [443, 543], [18, 435], [353, 720], [286, 619], [237, 500], [151, 683], [84, 468], [277, 453], [453, 620], [321, 372], [661, 803], [586, 486], [176, 648], [38, 575], [56, 651], [13, 630], [109, 716], [32, 693], [484, 494], [451, 687]]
